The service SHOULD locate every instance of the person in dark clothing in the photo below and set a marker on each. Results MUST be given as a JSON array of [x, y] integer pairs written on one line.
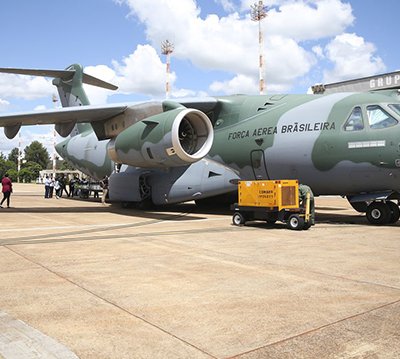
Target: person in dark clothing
[[63, 186], [104, 185], [72, 183], [6, 189]]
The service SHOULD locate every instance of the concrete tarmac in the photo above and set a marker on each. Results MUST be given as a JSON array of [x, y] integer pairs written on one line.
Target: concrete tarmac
[[78, 279]]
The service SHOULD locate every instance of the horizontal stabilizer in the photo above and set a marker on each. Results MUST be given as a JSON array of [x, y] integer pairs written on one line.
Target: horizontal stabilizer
[[64, 75]]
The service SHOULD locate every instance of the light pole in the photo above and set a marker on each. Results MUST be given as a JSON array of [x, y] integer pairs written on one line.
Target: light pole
[[259, 12], [19, 154], [167, 48], [55, 100]]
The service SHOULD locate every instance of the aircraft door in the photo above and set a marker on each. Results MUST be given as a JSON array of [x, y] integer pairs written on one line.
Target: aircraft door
[[259, 165]]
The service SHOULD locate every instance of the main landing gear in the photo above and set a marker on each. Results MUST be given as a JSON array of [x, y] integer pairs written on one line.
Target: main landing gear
[[380, 213]]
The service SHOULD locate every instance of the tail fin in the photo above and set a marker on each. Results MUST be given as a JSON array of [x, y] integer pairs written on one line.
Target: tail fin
[[69, 85]]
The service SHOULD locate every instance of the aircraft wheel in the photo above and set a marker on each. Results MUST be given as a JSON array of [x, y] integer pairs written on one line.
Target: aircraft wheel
[[295, 222], [238, 219], [378, 213], [394, 212]]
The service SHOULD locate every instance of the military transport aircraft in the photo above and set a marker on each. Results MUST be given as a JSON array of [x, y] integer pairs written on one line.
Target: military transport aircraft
[[342, 143]]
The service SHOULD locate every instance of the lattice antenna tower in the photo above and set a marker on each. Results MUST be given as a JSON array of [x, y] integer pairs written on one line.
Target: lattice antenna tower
[[258, 13], [167, 48]]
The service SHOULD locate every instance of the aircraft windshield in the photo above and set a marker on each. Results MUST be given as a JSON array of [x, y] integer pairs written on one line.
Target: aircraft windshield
[[378, 118]]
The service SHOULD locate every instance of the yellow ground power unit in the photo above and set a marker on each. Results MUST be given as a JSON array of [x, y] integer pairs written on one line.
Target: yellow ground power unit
[[271, 201], [277, 194]]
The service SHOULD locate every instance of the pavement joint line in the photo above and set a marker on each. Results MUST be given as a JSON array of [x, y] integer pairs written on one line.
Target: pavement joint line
[[164, 234], [112, 303], [29, 229], [260, 268], [316, 329], [109, 228], [113, 225], [126, 236]]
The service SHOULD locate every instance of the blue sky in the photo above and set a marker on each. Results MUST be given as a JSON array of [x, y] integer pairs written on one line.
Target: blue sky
[[216, 49]]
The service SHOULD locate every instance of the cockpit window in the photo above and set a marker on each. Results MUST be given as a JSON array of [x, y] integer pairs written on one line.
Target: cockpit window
[[395, 107], [379, 118], [355, 121]]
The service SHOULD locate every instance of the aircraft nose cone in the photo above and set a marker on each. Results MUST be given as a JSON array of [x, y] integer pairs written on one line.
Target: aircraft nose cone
[[61, 148]]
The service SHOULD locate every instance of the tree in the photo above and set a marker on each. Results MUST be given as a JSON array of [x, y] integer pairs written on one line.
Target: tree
[[13, 174], [37, 153], [13, 155], [66, 165], [6, 166], [29, 171]]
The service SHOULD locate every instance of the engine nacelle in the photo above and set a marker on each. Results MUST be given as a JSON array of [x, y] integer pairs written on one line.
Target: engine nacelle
[[174, 138]]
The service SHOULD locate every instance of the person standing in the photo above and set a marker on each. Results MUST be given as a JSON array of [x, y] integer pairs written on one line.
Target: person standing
[[104, 184], [7, 189], [47, 187]]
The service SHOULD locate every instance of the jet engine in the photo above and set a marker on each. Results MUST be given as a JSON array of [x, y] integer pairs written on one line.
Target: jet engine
[[171, 139]]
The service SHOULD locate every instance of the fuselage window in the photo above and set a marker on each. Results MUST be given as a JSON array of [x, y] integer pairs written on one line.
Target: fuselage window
[[378, 118], [355, 121]]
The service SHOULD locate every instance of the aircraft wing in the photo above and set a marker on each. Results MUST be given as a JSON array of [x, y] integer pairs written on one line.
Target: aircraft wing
[[62, 115], [64, 118], [104, 119]]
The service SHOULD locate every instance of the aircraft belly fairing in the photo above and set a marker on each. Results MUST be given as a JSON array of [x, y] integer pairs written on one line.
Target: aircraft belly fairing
[[199, 180]]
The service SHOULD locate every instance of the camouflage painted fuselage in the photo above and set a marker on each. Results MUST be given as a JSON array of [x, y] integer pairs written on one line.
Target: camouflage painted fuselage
[[281, 136], [303, 137]]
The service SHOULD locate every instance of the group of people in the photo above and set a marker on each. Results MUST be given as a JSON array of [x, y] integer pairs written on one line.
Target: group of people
[[77, 187], [54, 184]]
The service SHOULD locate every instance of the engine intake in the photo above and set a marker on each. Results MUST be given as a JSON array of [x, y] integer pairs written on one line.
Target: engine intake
[[174, 138]]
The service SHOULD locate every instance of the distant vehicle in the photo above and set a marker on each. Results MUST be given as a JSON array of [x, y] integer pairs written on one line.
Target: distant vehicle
[[343, 143]]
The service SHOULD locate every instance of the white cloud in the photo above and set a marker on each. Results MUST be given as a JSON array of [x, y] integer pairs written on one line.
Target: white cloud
[[309, 20], [240, 84], [227, 5], [352, 57], [26, 87], [97, 95], [183, 93], [3, 104], [40, 108], [230, 43], [142, 72], [318, 50]]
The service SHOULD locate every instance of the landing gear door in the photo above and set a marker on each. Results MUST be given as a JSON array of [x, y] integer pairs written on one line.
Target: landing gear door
[[259, 165]]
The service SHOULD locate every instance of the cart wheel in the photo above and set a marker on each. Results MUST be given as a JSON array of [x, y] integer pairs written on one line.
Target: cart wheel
[[295, 222], [307, 225], [238, 219]]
